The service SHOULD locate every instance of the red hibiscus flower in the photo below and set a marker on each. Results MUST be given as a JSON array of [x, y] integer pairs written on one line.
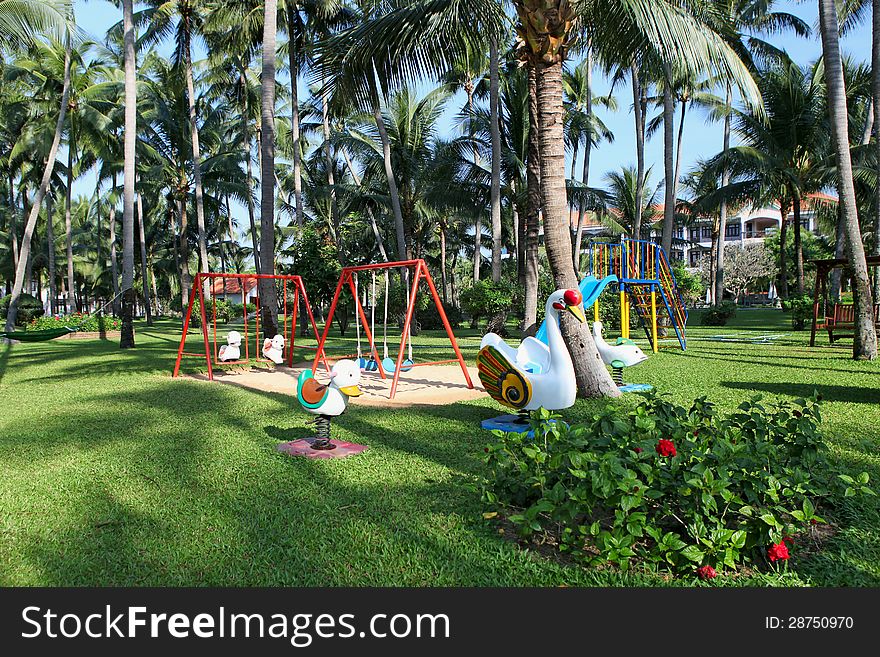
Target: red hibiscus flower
[[778, 551], [706, 572], [637, 450], [665, 447]]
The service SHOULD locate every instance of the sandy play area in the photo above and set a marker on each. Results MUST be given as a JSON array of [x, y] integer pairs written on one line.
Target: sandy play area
[[433, 385]]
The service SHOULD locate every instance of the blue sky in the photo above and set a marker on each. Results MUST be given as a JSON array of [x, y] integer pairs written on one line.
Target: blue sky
[[701, 139]]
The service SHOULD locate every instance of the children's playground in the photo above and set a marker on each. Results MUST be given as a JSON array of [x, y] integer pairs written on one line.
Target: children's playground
[[161, 465]]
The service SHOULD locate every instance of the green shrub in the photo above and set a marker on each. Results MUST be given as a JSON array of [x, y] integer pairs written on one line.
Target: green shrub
[[29, 308], [84, 322], [801, 309], [484, 298], [676, 487], [719, 314], [430, 318], [236, 310]]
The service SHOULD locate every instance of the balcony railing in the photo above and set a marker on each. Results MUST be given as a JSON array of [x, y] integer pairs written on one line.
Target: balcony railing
[[757, 233]]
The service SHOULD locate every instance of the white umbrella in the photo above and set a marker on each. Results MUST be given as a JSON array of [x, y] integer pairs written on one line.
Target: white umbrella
[[771, 293]]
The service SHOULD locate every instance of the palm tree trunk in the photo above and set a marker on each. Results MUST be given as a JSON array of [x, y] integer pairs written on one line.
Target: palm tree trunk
[[294, 113], [640, 151], [592, 377], [393, 192], [784, 206], [478, 224], [677, 175], [533, 208], [197, 156], [725, 180], [24, 254], [13, 211], [126, 340], [865, 340], [183, 252], [331, 180], [68, 229], [144, 283], [114, 267], [50, 244], [798, 250], [839, 253], [495, 184], [443, 281], [268, 296], [668, 163], [246, 137], [874, 120], [588, 148]]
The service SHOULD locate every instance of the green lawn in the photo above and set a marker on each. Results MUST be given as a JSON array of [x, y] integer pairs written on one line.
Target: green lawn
[[113, 473]]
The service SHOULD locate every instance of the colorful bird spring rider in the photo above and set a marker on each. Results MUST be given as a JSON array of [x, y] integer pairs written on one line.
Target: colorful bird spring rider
[[232, 349], [534, 375], [623, 353], [326, 401], [274, 349]]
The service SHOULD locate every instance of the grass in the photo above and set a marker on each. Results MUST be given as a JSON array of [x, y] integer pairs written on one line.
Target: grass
[[113, 473]]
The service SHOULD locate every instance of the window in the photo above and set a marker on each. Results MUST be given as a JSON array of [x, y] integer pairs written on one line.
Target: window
[[706, 232], [679, 232], [695, 234], [732, 231], [695, 257], [677, 255]]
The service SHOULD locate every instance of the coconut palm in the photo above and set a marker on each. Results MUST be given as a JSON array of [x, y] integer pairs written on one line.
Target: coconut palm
[[184, 19], [865, 338], [126, 339], [782, 154], [268, 296], [24, 254], [584, 128]]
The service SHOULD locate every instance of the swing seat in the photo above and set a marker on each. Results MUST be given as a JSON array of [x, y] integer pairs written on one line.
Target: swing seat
[[390, 365]]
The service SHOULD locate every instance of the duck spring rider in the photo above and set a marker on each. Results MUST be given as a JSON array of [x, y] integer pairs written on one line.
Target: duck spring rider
[[617, 356], [534, 375], [328, 400]]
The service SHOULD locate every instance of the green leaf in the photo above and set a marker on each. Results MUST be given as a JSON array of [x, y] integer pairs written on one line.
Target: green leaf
[[693, 553], [738, 539]]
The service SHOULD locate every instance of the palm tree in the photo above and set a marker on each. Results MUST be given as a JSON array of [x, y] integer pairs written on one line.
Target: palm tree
[[865, 338], [268, 296], [495, 193], [632, 206], [126, 340], [24, 254], [185, 19], [782, 154], [584, 127]]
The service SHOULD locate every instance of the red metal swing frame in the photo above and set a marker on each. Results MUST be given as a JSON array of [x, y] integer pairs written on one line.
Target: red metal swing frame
[[420, 272], [211, 355]]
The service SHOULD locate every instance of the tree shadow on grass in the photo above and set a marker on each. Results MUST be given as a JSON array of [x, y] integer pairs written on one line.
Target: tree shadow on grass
[[850, 394], [201, 507]]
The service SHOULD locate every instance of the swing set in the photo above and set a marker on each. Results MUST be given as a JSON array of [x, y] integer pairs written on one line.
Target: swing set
[[414, 272], [283, 284]]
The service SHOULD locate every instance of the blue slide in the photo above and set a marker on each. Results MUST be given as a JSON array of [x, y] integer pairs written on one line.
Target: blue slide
[[591, 287]]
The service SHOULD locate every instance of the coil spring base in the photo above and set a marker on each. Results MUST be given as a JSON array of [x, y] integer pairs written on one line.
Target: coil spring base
[[322, 434], [617, 376]]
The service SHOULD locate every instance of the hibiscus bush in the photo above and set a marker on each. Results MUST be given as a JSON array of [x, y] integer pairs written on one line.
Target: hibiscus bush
[[688, 489]]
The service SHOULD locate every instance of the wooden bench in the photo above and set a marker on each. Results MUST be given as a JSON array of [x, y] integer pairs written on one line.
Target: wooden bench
[[843, 318]]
